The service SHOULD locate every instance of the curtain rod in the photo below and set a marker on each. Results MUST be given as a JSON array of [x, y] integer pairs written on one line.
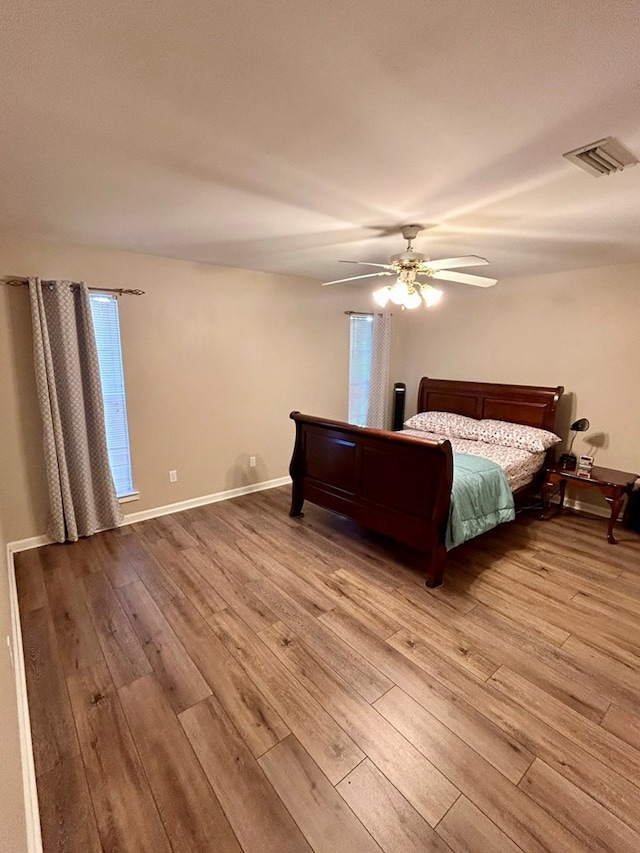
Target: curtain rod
[[23, 282], [366, 313]]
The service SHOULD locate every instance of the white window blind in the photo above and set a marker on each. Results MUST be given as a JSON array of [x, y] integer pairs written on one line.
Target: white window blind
[[361, 338], [104, 309]]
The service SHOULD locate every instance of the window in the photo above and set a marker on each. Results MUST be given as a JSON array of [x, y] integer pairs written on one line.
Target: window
[[104, 310], [360, 337]]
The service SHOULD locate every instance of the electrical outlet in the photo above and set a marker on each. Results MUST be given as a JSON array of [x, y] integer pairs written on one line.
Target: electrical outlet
[[252, 462], [173, 476]]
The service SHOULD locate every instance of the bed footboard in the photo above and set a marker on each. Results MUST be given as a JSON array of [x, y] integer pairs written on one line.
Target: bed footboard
[[395, 484]]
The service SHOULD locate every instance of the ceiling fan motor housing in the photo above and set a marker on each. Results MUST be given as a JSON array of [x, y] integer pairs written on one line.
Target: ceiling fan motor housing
[[408, 258]]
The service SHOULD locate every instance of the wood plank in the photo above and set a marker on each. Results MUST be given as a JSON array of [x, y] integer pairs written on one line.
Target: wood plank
[[349, 600], [191, 813], [617, 680], [53, 733], [423, 785], [32, 594], [468, 830], [330, 747], [312, 598], [236, 595], [594, 825], [255, 718], [120, 646], [83, 557], [326, 821], [552, 670], [143, 613], [505, 753], [391, 820], [175, 533], [515, 569], [224, 551], [180, 678], [200, 593], [239, 783], [126, 814], [110, 551], [522, 820], [541, 739], [76, 636], [594, 739], [67, 821], [450, 640], [361, 675], [523, 606], [624, 724], [157, 582]]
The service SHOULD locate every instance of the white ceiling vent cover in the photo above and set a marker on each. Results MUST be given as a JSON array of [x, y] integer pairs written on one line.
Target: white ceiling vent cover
[[602, 157]]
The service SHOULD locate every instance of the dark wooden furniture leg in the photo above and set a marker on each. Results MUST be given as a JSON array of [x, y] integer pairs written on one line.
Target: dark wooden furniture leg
[[547, 487], [563, 490], [615, 504]]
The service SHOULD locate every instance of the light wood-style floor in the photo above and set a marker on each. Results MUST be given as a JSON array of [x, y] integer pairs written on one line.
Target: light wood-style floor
[[228, 679]]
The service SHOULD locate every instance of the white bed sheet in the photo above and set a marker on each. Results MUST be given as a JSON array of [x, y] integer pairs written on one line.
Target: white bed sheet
[[519, 466]]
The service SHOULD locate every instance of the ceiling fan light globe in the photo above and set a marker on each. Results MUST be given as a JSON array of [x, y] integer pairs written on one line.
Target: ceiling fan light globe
[[431, 295], [399, 292], [382, 296], [412, 300]]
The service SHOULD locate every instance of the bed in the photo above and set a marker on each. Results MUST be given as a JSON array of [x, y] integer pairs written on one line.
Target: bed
[[399, 483]]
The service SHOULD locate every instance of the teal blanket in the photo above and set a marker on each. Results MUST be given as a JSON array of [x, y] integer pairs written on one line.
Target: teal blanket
[[480, 498]]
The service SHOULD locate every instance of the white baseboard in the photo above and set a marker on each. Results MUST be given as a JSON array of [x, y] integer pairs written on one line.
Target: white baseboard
[[30, 791], [156, 512], [589, 509]]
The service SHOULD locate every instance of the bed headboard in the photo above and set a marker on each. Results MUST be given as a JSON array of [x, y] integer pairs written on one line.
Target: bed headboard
[[532, 405]]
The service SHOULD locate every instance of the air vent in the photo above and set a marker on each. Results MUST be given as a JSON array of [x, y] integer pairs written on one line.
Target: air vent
[[602, 157]]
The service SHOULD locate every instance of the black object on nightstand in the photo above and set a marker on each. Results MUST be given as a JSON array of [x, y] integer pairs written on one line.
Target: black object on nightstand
[[568, 461]]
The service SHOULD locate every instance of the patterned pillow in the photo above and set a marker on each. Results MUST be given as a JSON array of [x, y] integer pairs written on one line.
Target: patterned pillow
[[444, 423], [529, 438]]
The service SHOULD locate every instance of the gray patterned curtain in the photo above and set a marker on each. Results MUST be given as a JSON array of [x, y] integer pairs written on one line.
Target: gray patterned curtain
[[81, 491], [379, 391]]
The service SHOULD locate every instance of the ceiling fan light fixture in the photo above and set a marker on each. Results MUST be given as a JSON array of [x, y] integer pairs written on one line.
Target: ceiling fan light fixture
[[413, 299], [431, 295], [382, 296], [399, 292]]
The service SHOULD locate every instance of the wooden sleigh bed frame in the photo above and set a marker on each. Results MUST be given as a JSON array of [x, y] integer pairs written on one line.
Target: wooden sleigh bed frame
[[399, 485]]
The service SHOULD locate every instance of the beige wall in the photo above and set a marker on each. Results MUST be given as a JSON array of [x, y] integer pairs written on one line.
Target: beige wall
[[214, 359], [578, 329]]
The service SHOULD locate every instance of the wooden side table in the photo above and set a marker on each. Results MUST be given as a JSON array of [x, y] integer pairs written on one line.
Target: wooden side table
[[613, 484]]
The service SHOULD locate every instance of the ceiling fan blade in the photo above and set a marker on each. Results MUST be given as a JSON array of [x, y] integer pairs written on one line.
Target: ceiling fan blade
[[452, 263], [354, 277], [367, 264], [464, 278]]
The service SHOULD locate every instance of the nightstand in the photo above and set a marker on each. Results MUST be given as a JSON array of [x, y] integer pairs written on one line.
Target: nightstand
[[613, 484]]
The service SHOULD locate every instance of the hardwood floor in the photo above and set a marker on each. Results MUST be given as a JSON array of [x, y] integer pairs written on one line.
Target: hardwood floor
[[229, 679]]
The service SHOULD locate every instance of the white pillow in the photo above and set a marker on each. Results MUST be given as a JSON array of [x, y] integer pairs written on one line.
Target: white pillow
[[506, 434], [444, 423]]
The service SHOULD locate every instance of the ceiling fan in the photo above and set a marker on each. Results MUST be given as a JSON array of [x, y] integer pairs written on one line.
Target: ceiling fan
[[407, 266]]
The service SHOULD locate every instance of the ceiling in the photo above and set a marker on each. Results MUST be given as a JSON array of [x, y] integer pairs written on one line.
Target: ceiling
[[287, 135]]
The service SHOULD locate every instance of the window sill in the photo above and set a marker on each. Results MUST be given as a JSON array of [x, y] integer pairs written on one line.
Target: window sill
[[125, 499]]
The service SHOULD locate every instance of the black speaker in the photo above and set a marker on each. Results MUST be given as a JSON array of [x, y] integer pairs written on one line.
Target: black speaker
[[398, 405]]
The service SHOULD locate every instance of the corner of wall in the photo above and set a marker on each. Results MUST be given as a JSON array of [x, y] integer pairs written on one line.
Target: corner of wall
[[30, 794]]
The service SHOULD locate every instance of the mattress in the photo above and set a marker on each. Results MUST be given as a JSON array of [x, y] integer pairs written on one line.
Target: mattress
[[519, 466]]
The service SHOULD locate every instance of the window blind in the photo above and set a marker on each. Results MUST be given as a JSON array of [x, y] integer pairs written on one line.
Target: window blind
[[104, 310], [360, 338]]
